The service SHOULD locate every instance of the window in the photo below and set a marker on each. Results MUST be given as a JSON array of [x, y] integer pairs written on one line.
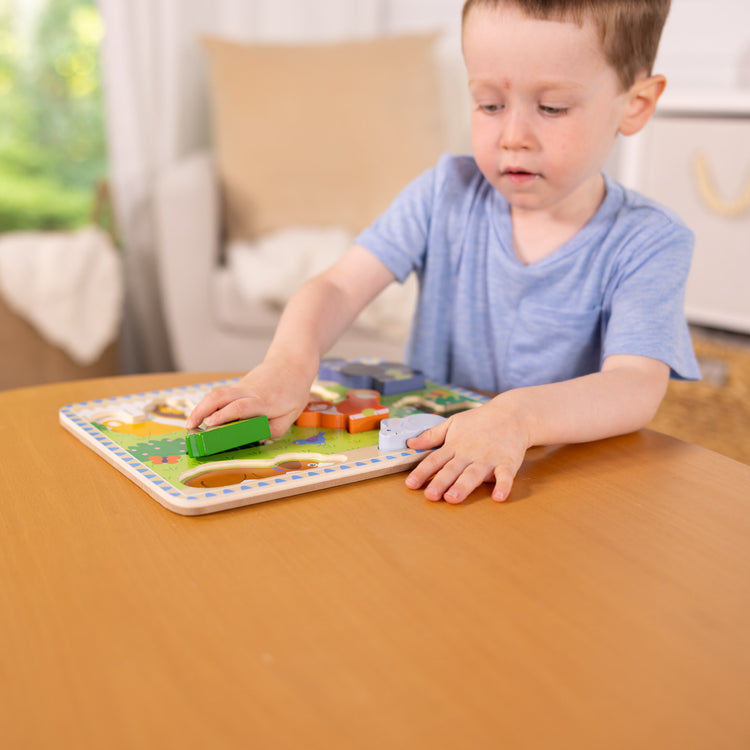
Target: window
[[52, 143]]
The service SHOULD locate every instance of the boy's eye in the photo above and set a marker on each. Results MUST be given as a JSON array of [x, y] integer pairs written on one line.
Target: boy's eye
[[553, 111], [489, 109]]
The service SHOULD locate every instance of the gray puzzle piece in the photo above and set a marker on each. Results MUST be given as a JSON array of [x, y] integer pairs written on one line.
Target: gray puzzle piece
[[396, 431]]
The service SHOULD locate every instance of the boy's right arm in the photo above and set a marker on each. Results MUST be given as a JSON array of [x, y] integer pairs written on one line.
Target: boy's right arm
[[312, 321]]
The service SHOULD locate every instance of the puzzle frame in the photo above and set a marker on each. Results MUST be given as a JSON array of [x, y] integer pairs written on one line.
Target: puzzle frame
[[142, 435]]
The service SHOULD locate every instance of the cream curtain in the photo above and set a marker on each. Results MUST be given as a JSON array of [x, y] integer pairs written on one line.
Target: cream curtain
[[156, 108]]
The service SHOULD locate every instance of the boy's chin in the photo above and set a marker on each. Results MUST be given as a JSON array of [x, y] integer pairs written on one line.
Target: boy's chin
[[522, 201]]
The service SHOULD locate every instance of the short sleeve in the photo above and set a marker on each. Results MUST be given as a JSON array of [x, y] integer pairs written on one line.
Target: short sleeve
[[399, 236], [646, 307]]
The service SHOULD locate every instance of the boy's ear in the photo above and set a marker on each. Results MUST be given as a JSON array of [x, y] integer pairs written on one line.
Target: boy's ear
[[642, 98]]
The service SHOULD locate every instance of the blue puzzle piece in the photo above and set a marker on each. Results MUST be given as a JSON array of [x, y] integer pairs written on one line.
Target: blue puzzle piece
[[387, 378]]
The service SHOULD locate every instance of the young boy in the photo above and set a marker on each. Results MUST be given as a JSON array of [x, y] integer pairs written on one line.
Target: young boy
[[540, 278]]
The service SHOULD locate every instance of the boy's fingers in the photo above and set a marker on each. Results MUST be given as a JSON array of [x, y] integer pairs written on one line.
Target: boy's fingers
[[241, 408], [444, 480], [470, 478], [198, 414], [426, 468], [457, 480], [280, 425], [429, 438], [504, 476], [223, 405], [453, 481]]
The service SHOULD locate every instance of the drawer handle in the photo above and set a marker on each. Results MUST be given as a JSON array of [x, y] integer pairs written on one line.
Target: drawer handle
[[710, 195]]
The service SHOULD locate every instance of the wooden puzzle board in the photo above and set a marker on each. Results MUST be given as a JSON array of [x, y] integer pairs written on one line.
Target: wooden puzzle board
[[143, 436]]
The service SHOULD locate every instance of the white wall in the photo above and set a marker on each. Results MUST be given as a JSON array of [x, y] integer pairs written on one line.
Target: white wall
[[407, 15], [706, 44]]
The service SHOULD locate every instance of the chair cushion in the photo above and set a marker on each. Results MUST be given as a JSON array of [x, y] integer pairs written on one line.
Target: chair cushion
[[321, 134], [266, 273]]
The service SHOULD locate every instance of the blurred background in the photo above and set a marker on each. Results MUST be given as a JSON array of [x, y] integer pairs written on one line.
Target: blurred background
[[53, 154], [115, 255]]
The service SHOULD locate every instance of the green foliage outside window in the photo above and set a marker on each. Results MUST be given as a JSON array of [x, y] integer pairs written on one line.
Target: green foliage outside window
[[52, 143]]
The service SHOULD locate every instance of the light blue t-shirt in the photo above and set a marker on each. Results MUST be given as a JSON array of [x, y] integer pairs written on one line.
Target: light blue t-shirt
[[485, 320]]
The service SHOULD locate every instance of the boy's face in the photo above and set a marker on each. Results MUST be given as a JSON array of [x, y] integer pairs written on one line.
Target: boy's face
[[546, 108]]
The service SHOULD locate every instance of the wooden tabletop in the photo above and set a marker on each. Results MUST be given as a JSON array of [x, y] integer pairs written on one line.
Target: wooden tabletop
[[606, 605]]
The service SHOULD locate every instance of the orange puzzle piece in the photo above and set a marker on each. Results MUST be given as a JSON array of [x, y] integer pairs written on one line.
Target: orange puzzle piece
[[359, 411]]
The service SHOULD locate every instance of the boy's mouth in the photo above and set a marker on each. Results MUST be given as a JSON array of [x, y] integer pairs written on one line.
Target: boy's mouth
[[519, 176]]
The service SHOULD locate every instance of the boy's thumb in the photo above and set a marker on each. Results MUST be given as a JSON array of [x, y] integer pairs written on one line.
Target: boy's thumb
[[430, 438]]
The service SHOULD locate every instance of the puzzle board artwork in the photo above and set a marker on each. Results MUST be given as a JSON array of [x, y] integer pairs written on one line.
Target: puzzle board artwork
[[143, 436]]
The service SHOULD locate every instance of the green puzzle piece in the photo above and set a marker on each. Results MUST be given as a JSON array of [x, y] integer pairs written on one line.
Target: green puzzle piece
[[226, 437]]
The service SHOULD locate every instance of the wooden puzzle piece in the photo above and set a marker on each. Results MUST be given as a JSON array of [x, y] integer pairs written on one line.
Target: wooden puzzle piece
[[145, 418], [323, 393], [170, 411], [132, 423], [387, 378], [396, 431], [206, 442], [359, 411], [120, 415], [438, 401]]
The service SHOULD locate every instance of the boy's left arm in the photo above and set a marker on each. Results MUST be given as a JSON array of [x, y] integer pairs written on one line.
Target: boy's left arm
[[489, 443]]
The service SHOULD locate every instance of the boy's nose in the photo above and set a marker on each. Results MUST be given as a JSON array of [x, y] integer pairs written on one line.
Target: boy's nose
[[516, 133]]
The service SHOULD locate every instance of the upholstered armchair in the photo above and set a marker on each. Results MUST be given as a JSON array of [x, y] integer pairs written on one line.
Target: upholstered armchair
[[311, 143]]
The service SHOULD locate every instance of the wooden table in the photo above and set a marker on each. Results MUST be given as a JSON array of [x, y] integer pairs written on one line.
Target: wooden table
[[607, 605]]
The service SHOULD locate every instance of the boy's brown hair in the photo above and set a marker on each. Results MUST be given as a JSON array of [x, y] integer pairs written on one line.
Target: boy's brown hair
[[629, 30]]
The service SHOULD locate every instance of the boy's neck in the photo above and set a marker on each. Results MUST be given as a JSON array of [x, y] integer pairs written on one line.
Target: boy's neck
[[538, 233]]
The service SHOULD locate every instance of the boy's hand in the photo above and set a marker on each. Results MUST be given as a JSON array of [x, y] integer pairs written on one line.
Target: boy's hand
[[484, 444], [271, 391]]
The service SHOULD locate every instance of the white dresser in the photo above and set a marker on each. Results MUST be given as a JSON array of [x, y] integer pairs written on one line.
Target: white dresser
[[694, 156]]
